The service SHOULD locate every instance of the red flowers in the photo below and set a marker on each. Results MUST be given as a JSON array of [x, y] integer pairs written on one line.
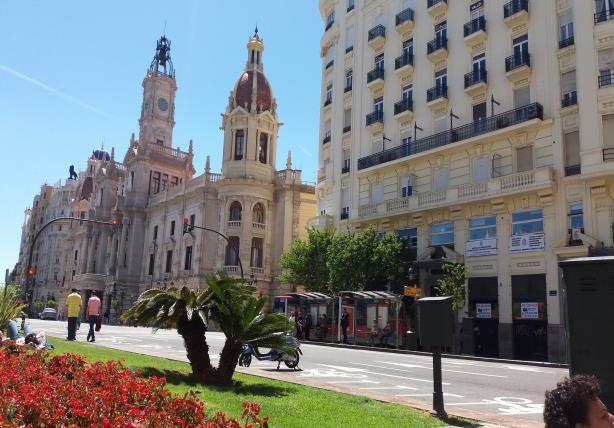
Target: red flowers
[[64, 390]]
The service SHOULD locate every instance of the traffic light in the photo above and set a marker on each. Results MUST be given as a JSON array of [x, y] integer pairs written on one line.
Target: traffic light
[[31, 271], [187, 227], [115, 222]]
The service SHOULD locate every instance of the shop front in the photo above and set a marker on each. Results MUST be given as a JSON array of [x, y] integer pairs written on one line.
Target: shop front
[[530, 317], [483, 326]]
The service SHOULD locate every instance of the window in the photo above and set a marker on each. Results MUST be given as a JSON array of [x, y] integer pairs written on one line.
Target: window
[[330, 56], [481, 169], [406, 186], [379, 62], [174, 181], [152, 261], [441, 78], [406, 139], [479, 118], [441, 31], [188, 258], [565, 26], [257, 253], [407, 93], [101, 199], [409, 237], [522, 97], [442, 234], [568, 87], [232, 249], [235, 211], [156, 182], [524, 159], [349, 39], [477, 10], [173, 228], [479, 65], [608, 131], [378, 104], [159, 142], [258, 213], [192, 219], [347, 119], [262, 147], [350, 5], [572, 148], [155, 233], [408, 48], [377, 193], [346, 161], [164, 182], [329, 93], [239, 144], [576, 217], [441, 179], [520, 47], [330, 19], [348, 80], [527, 222], [604, 9], [327, 131], [169, 261], [482, 228], [76, 255], [345, 203]]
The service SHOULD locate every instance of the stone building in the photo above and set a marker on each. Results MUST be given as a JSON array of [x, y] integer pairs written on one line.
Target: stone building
[[483, 131], [155, 189]]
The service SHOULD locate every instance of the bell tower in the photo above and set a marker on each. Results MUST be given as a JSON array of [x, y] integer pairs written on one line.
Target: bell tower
[[250, 122], [158, 108]]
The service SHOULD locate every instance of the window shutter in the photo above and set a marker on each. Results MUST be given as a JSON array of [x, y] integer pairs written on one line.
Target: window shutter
[[347, 117], [568, 82], [522, 97], [572, 148], [377, 193], [608, 131], [441, 179], [524, 159]]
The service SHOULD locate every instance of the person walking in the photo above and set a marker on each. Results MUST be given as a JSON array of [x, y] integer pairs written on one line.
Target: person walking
[[345, 322], [300, 325], [308, 325], [92, 313], [73, 308]]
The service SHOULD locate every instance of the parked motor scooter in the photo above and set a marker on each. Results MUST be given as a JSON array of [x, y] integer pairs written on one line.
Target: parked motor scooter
[[291, 361]]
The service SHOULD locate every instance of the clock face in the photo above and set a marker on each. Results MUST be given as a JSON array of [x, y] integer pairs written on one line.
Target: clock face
[[162, 104]]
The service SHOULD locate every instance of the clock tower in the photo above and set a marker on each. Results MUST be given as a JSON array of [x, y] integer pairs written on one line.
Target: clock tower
[[158, 108]]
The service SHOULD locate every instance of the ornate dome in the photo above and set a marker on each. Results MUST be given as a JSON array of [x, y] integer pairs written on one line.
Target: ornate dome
[[244, 90], [101, 154]]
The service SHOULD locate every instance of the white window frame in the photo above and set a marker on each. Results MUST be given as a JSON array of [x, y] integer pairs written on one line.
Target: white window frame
[[576, 210], [474, 225], [528, 221], [444, 231], [406, 186]]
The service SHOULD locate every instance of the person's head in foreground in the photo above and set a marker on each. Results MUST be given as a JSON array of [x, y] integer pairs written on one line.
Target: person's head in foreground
[[575, 403]]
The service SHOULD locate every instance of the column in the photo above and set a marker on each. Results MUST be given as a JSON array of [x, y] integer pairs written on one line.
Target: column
[[506, 337]]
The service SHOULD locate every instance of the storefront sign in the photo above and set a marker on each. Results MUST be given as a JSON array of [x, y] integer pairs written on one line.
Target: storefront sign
[[482, 247], [476, 5], [412, 291], [525, 243], [483, 310], [529, 310]]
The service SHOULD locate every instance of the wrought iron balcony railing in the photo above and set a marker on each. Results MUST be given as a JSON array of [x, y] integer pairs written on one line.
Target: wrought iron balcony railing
[[375, 117], [603, 16], [464, 132], [517, 60], [436, 44], [403, 105], [515, 6], [377, 31], [566, 42], [606, 80], [438, 91], [572, 170], [403, 60], [608, 155], [404, 16], [475, 25], [475, 77], [432, 3], [377, 73], [570, 99], [328, 26], [326, 140]]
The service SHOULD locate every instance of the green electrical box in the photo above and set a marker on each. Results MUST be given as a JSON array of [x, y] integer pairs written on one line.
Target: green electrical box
[[589, 301]]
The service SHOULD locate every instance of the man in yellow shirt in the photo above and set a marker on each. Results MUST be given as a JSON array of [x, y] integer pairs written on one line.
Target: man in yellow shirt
[[73, 304]]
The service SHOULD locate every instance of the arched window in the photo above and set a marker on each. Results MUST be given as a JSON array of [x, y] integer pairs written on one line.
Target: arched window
[[232, 249], [235, 211], [262, 147], [239, 144], [257, 253], [258, 214]]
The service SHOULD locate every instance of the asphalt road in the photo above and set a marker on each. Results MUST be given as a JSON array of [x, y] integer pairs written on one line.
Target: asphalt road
[[504, 390]]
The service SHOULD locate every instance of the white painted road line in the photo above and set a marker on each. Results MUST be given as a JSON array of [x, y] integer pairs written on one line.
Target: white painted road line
[[445, 394], [382, 388], [390, 375], [445, 370]]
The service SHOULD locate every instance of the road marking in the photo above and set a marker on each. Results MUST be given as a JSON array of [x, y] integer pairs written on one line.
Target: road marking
[[402, 364], [511, 405], [390, 375], [445, 370], [470, 404], [527, 369], [352, 381], [445, 394], [375, 388]]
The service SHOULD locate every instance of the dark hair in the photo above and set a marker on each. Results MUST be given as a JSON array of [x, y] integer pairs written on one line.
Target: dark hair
[[74, 290], [567, 405]]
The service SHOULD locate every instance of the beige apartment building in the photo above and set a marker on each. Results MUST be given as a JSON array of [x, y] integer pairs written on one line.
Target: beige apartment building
[[260, 209], [483, 132]]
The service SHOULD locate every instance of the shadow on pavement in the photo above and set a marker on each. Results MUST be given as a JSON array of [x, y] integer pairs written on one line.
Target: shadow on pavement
[[172, 376]]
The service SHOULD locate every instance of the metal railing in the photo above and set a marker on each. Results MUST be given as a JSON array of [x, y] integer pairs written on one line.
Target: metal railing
[[347, 128], [436, 92], [603, 16], [514, 7], [517, 60], [345, 170], [349, 49], [436, 44], [606, 80], [608, 155], [493, 123], [376, 73], [347, 89], [566, 42], [573, 170], [375, 117], [403, 60], [326, 139], [403, 105], [570, 100], [475, 77], [475, 25], [377, 31], [329, 25], [328, 101], [432, 3], [344, 215], [329, 64], [350, 8], [404, 16]]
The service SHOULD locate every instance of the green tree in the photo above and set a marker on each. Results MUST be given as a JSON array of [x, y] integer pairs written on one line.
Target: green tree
[[305, 262], [52, 304], [453, 284], [38, 307], [10, 306]]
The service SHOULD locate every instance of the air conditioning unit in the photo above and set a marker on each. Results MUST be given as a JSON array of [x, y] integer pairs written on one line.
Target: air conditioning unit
[[575, 234]]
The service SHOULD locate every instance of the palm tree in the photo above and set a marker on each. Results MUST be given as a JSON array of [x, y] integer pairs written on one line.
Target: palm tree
[[238, 314], [184, 309], [10, 306]]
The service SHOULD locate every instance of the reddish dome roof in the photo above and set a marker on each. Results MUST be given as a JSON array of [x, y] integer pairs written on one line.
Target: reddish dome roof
[[244, 91]]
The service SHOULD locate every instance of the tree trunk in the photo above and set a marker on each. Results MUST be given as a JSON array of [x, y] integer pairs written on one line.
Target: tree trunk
[[228, 362], [195, 342]]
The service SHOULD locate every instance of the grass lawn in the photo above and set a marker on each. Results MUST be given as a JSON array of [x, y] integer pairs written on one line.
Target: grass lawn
[[287, 404]]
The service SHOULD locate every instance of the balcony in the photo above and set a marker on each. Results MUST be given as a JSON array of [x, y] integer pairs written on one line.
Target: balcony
[[329, 64], [522, 182], [476, 82], [516, 12], [377, 37], [234, 224], [403, 109], [328, 102], [405, 21], [347, 129], [344, 215], [608, 155], [231, 270], [345, 169], [375, 121], [347, 89], [437, 97], [404, 65], [566, 42], [569, 100], [518, 66], [258, 227], [603, 16], [350, 8], [326, 140], [329, 26], [437, 49], [375, 79], [436, 7], [605, 80], [573, 170], [475, 31], [463, 132]]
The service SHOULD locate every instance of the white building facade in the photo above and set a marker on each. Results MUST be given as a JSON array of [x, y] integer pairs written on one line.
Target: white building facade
[[483, 131]]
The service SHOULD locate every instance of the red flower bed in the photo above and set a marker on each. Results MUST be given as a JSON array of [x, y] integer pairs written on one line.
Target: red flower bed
[[38, 390]]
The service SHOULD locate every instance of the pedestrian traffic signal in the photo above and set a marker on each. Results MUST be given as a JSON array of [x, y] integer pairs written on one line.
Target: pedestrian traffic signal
[[31, 271], [187, 227], [115, 222]]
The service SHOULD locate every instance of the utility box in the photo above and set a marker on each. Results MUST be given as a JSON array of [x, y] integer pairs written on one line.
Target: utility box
[[436, 321], [589, 300]]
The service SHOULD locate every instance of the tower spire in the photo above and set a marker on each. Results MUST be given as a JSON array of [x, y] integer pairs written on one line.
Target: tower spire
[[162, 63]]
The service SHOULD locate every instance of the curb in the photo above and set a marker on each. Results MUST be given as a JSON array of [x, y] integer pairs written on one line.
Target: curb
[[451, 356]]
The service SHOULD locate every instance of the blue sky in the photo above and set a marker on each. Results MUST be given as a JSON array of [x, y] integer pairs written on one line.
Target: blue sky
[[71, 73]]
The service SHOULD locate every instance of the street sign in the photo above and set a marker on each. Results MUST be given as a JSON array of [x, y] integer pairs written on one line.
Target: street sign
[[412, 291]]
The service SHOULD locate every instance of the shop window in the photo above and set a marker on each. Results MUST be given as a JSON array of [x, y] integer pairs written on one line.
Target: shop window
[[482, 228], [442, 234], [527, 222]]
